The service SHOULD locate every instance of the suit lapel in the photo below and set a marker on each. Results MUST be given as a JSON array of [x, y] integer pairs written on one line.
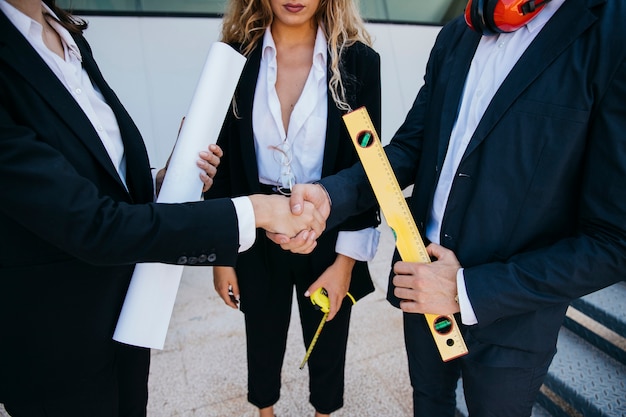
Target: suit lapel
[[572, 18], [17, 53], [138, 180], [245, 99], [459, 64], [333, 124]]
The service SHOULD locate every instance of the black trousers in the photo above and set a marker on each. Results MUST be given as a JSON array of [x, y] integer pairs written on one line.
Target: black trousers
[[120, 390], [489, 391], [267, 323]]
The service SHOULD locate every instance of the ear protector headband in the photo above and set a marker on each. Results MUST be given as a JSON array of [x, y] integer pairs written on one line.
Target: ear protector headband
[[490, 17]]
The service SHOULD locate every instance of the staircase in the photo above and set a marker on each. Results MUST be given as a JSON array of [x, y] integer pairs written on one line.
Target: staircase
[[587, 377]]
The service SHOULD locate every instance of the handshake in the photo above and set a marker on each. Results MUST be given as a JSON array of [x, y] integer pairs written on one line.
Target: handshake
[[294, 223]]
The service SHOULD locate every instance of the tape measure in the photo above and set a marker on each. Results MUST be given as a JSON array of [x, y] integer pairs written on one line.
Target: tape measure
[[410, 245], [320, 300]]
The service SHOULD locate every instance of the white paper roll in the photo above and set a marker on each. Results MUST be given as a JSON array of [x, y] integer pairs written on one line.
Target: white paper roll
[[149, 302]]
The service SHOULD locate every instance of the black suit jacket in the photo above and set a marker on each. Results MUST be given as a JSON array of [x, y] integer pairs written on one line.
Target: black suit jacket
[[238, 173], [70, 233], [537, 210]]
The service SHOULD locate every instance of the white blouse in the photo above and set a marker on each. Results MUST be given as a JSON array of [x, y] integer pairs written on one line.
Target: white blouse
[[296, 156]]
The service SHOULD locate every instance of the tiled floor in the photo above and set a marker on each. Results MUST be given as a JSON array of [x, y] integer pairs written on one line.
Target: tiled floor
[[201, 372]]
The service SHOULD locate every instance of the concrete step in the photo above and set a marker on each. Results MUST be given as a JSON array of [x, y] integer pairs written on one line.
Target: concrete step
[[587, 377], [607, 307], [600, 319], [583, 381]]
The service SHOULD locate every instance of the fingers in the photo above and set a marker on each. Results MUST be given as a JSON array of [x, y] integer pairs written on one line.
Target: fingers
[[409, 306], [428, 287], [320, 222], [216, 150], [226, 285], [207, 181], [312, 219], [277, 238], [208, 163], [304, 249], [233, 295], [225, 295], [303, 243], [335, 303]]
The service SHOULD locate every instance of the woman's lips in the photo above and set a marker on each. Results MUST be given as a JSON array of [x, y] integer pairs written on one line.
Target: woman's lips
[[293, 8]]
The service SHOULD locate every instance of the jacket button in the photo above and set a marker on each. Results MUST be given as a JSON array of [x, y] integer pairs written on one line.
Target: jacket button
[[192, 260], [182, 260], [212, 257], [202, 258]]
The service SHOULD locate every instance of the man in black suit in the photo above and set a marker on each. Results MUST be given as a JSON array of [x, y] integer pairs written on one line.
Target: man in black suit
[[515, 147], [77, 214]]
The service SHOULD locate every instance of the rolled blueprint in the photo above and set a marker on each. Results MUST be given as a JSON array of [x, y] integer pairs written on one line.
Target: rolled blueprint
[[149, 302]]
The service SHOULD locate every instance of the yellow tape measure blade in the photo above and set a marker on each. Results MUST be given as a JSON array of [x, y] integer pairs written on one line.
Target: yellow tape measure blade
[[314, 341]]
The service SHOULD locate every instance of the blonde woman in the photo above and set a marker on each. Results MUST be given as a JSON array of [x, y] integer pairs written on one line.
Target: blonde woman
[[309, 62]]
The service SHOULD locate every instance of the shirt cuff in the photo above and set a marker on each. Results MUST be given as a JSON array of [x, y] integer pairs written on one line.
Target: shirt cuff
[[468, 317], [246, 221], [360, 245]]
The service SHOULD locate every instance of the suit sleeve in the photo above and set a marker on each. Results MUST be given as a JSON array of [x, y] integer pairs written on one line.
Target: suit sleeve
[[595, 255], [366, 76], [350, 190], [45, 196]]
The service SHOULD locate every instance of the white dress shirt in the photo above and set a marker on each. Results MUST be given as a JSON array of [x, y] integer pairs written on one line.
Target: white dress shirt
[[301, 148], [494, 58], [71, 74]]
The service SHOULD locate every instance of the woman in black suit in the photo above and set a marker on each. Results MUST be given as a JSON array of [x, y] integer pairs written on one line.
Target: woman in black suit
[[77, 213], [308, 63]]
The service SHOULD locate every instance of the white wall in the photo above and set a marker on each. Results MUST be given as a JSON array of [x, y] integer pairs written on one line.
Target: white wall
[[153, 64]]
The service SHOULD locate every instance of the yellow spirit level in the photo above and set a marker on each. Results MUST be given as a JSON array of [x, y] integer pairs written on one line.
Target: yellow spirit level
[[444, 329]]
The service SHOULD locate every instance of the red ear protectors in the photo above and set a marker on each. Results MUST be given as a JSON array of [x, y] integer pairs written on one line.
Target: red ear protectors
[[490, 17]]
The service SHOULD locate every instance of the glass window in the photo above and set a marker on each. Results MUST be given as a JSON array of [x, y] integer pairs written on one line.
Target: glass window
[[434, 12], [138, 7]]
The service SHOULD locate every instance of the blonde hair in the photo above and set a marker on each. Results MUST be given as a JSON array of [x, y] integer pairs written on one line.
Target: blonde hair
[[245, 22]]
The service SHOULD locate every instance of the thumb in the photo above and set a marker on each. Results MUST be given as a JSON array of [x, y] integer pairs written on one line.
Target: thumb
[[296, 201], [312, 288], [436, 251]]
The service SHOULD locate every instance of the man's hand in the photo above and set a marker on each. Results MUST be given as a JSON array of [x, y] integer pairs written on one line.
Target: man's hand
[[300, 195], [313, 193], [272, 213], [428, 287]]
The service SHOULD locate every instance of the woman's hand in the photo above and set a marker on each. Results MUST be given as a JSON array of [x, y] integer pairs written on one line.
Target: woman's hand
[[336, 281], [226, 285], [208, 163]]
